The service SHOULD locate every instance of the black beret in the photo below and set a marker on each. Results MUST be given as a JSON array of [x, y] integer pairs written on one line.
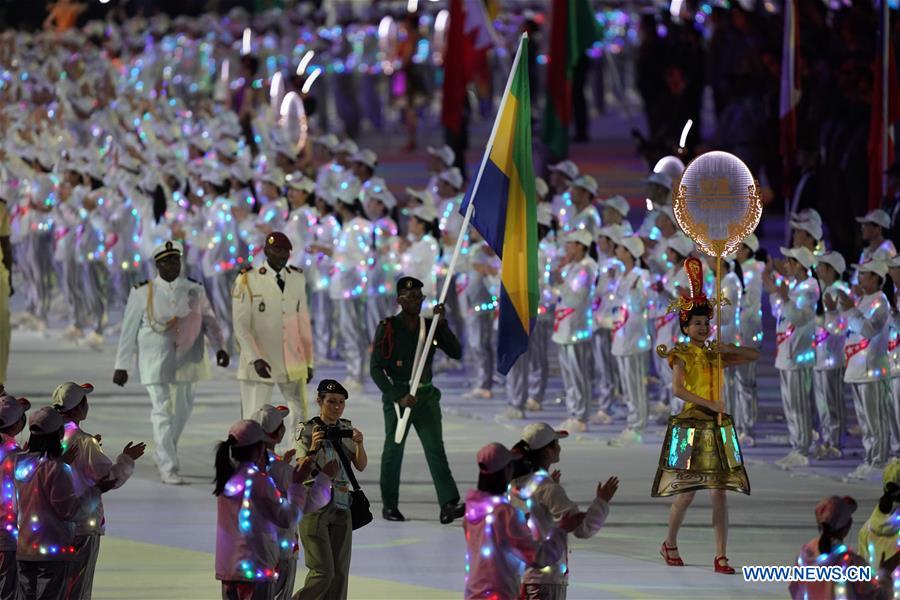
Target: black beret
[[405, 284], [330, 386]]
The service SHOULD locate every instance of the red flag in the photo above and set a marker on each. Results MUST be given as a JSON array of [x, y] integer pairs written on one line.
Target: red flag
[[469, 35], [877, 165], [789, 98]]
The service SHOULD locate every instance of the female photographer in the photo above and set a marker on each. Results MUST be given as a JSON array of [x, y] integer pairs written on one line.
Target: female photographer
[[326, 534]]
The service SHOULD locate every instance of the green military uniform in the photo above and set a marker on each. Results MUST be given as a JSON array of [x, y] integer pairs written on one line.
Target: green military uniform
[[393, 352]]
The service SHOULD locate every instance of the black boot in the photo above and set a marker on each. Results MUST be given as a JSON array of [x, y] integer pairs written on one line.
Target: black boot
[[392, 514], [451, 511]]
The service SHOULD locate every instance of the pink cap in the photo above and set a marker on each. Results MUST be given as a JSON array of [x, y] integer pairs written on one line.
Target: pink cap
[[494, 457], [835, 511], [68, 395], [12, 409], [46, 420], [246, 433]]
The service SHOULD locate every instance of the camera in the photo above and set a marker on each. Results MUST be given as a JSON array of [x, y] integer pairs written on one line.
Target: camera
[[335, 434]]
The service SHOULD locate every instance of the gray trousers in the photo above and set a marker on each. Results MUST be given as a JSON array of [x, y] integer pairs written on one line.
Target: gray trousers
[[70, 283], [377, 308], [575, 366], [633, 371], [353, 336], [664, 375], [828, 386], [482, 350], [283, 588], [94, 278], [745, 398], [81, 570], [544, 591], [797, 401], [42, 580], [894, 416], [327, 537], [528, 376], [606, 373], [870, 402], [322, 319], [38, 271], [9, 572]]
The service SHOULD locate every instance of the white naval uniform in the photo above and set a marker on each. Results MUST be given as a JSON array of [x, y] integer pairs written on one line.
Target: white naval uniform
[[163, 326], [795, 358], [352, 258], [828, 373], [750, 336], [867, 369], [631, 343], [273, 326], [606, 379], [528, 376], [572, 326]]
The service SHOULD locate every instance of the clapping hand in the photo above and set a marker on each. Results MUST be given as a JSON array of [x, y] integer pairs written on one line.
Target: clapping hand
[[845, 301], [288, 456], [302, 471], [607, 490], [556, 475], [135, 451]]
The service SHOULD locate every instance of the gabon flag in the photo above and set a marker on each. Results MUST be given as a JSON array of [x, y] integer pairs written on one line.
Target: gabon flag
[[505, 212], [573, 30]]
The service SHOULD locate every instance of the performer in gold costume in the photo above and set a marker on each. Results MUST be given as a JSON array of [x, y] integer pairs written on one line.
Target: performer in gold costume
[[700, 450]]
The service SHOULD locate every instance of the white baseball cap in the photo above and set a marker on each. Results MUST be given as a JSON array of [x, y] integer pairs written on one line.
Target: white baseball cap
[[633, 244], [270, 417], [579, 236], [836, 261], [807, 214], [453, 176], [366, 157], [380, 192], [347, 147], [752, 242], [274, 176], [661, 179], [618, 203], [665, 209], [445, 153], [586, 182], [811, 227], [346, 192], [681, 244], [879, 267], [567, 168], [424, 213], [802, 255], [539, 435], [544, 214], [614, 232], [299, 181], [877, 217], [12, 409], [330, 141]]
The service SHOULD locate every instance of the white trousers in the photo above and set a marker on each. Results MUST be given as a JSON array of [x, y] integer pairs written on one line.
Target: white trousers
[[256, 393], [797, 401], [745, 398], [322, 323], [575, 366], [828, 386], [353, 335], [870, 402], [633, 372], [606, 372], [170, 407]]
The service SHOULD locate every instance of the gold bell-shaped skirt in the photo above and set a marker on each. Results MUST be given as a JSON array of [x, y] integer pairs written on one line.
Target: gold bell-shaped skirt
[[699, 453]]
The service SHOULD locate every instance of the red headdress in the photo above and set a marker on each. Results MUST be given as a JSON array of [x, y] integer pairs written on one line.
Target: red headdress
[[684, 304]]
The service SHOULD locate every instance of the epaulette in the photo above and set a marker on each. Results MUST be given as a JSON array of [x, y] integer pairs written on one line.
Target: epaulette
[[246, 269], [141, 284], [192, 280], [297, 269]]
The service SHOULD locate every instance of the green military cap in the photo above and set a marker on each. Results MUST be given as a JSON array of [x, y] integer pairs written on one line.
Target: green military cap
[[408, 284]]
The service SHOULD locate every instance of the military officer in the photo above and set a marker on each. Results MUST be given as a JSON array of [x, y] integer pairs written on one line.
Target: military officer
[[272, 329], [164, 325], [398, 340]]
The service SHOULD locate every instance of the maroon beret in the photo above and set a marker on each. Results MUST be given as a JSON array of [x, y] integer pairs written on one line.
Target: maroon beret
[[277, 239]]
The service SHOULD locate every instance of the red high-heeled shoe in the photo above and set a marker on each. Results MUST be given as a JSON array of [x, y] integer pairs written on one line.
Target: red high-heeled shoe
[[671, 560], [721, 565]]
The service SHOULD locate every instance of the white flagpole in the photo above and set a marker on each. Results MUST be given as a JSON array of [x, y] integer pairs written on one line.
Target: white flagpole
[[417, 376]]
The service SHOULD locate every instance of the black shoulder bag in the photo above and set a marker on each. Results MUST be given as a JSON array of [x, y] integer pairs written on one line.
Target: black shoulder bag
[[360, 513]]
